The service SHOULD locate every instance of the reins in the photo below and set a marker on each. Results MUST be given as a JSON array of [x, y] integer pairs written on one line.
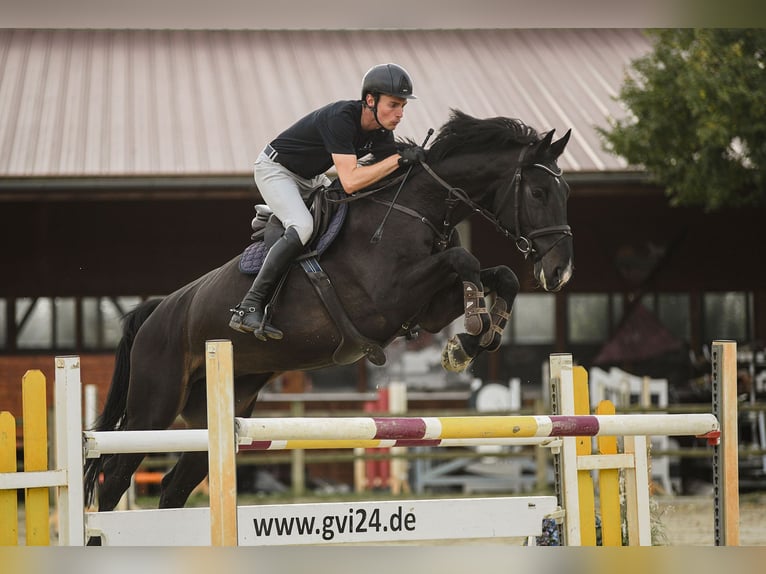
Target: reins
[[525, 243], [362, 194]]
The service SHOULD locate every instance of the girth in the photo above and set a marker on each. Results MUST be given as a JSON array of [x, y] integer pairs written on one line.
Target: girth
[[353, 345]]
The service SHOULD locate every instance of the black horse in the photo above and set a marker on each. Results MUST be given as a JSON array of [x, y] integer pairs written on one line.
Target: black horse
[[416, 275]]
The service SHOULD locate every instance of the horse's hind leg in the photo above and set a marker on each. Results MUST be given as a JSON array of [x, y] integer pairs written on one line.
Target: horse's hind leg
[[152, 404], [118, 470], [179, 483], [192, 467]]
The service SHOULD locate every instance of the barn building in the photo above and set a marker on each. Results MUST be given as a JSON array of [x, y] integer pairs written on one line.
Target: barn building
[[126, 172]]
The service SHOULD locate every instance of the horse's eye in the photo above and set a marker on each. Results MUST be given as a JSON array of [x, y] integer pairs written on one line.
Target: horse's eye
[[537, 193]]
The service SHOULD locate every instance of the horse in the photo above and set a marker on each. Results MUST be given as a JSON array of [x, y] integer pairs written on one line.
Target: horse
[[415, 274]]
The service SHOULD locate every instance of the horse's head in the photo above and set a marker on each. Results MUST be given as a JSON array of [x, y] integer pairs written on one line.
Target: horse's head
[[515, 182], [534, 206]]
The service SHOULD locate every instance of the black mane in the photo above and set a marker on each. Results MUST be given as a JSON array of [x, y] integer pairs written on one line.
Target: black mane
[[463, 133]]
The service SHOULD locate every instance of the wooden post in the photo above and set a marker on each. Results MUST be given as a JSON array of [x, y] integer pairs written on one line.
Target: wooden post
[[726, 454], [297, 456], [222, 447], [360, 477], [9, 511], [35, 421], [397, 405], [609, 486], [69, 452], [584, 448], [563, 403], [542, 458], [637, 491]]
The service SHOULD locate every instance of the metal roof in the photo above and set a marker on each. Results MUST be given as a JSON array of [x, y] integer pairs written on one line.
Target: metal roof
[[104, 103]]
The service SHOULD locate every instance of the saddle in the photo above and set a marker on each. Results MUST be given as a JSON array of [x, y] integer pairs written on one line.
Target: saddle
[[267, 228], [328, 221]]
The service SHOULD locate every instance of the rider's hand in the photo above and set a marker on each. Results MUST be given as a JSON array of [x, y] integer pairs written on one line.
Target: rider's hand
[[384, 150], [411, 156]]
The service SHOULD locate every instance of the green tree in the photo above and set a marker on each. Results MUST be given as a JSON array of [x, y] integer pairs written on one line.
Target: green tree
[[697, 116]]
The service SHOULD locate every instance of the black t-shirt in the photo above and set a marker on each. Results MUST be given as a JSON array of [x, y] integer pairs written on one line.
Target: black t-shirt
[[305, 147]]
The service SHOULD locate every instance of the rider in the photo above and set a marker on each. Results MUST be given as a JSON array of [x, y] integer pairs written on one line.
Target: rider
[[294, 164]]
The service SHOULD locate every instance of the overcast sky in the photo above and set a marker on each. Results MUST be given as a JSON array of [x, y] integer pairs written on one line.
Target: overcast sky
[[361, 14]]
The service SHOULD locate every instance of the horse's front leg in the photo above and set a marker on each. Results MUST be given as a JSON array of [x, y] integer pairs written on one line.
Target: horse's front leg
[[463, 292], [446, 305], [461, 349], [504, 283], [438, 273]]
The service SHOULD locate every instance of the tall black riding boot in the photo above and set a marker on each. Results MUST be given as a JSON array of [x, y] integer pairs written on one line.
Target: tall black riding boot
[[248, 316]]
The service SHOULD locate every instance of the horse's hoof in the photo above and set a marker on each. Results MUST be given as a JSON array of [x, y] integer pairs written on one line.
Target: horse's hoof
[[454, 357]]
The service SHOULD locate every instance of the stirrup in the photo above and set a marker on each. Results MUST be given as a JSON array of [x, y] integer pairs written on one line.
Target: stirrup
[[266, 330]]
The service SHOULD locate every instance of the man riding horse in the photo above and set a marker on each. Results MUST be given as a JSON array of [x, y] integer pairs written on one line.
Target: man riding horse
[[293, 165], [498, 170]]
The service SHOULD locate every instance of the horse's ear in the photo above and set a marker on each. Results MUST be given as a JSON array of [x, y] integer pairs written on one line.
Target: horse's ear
[[540, 150], [546, 140], [557, 147]]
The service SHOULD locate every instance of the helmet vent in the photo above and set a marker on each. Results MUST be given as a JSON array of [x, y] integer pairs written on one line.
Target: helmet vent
[[404, 85]]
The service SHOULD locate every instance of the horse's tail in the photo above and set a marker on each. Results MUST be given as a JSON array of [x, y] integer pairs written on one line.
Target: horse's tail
[[115, 407]]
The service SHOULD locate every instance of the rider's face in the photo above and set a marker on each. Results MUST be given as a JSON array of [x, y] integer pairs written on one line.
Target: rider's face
[[390, 110]]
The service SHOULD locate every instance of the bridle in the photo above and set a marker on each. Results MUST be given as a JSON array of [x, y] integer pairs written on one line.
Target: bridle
[[524, 243]]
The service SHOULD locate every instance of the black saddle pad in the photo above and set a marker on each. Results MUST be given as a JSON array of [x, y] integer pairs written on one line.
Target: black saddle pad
[[252, 258]]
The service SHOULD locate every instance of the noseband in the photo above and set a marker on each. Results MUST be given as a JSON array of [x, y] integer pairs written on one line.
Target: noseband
[[524, 243]]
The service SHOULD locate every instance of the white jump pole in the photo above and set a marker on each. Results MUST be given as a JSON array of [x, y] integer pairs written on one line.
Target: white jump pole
[[222, 447], [371, 428], [99, 443], [146, 441], [313, 433]]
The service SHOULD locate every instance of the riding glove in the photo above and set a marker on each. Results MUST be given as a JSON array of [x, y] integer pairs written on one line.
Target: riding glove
[[411, 156]]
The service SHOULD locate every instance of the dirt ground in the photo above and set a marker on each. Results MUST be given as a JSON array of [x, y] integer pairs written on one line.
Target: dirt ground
[[688, 521]]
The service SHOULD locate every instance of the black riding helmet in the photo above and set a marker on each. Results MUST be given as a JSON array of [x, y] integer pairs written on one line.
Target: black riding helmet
[[390, 79]]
